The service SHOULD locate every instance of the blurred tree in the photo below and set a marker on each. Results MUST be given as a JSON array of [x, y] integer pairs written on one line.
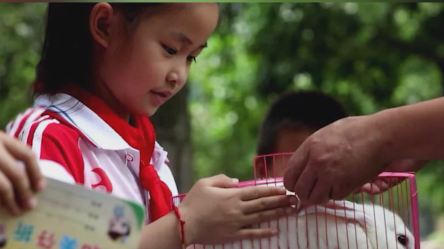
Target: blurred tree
[[21, 36], [349, 50], [173, 126], [369, 56]]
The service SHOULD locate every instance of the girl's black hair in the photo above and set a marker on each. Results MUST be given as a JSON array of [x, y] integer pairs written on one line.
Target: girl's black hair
[[67, 48]]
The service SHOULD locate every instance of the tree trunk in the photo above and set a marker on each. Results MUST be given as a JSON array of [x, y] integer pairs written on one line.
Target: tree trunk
[[173, 128]]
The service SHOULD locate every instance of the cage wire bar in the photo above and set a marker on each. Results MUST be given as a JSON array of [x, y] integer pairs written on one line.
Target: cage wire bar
[[392, 193]]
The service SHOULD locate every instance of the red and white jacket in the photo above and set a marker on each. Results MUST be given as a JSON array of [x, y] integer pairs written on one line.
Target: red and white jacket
[[106, 162], [30, 115]]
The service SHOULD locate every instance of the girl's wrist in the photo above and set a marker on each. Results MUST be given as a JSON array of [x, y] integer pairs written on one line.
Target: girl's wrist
[[188, 231]]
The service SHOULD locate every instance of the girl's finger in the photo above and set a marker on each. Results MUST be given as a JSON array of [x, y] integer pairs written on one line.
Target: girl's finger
[[267, 215], [23, 153], [16, 175], [7, 197], [252, 193], [256, 233], [268, 203]]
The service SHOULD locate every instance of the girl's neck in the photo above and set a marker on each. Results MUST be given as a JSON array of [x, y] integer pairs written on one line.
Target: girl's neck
[[101, 91]]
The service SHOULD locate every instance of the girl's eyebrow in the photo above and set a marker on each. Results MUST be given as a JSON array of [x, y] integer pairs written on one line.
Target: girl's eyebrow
[[185, 39]]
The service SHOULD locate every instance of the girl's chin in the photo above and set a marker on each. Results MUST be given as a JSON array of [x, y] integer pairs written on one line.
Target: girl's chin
[[149, 111], [144, 108]]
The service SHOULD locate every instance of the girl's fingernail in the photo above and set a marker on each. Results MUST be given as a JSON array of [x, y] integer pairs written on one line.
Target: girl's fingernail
[[235, 180], [31, 203], [274, 231]]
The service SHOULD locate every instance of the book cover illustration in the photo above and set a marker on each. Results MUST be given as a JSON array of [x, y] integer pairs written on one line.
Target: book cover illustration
[[73, 217]]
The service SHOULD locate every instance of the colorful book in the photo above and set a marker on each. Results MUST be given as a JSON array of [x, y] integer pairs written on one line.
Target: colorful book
[[73, 217]]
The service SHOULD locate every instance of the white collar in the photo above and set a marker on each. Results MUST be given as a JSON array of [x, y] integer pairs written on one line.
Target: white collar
[[86, 121]]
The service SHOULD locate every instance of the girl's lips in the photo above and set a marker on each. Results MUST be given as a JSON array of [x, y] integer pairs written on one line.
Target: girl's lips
[[159, 98], [165, 94]]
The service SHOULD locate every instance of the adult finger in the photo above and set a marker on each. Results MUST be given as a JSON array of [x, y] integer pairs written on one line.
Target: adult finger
[[295, 166], [268, 203], [375, 187], [381, 185], [320, 192], [305, 184], [23, 153], [267, 215], [7, 197], [16, 175], [256, 192]]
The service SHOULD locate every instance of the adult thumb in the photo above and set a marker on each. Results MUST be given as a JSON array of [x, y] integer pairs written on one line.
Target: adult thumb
[[295, 167], [223, 181]]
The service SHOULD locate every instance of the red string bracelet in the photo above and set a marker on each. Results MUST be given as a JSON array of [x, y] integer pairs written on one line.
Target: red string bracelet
[[182, 223]]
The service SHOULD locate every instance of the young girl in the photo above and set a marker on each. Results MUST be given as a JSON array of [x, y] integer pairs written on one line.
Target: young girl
[[106, 67]]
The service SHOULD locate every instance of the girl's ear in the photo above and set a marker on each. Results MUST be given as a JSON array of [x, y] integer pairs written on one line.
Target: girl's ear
[[100, 21]]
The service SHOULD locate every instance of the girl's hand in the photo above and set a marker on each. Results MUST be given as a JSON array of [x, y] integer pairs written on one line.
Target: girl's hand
[[17, 184], [215, 211]]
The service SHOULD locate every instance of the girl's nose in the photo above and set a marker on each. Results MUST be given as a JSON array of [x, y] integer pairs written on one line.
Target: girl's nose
[[172, 77], [177, 77]]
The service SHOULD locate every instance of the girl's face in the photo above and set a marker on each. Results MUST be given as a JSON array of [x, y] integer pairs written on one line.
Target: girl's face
[[138, 71]]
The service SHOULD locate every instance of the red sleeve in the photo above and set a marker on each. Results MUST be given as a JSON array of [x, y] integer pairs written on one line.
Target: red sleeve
[[14, 127], [58, 143]]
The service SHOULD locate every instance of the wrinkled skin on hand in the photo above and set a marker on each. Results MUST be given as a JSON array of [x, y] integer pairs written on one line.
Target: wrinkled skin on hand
[[336, 161]]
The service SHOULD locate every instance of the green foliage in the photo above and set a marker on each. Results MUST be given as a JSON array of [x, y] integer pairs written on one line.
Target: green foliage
[[370, 56], [21, 36]]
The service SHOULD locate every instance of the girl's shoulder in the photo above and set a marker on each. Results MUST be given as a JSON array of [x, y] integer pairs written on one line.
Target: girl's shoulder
[[37, 122], [55, 144], [28, 116], [52, 139]]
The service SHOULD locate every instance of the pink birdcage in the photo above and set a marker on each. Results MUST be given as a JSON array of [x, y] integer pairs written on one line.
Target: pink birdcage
[[383, 215]]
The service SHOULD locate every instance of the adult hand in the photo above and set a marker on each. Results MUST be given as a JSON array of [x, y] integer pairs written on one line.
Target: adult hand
[[336, 161]]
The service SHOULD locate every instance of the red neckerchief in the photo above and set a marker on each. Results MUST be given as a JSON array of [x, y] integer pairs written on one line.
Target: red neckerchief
[[141, 137]]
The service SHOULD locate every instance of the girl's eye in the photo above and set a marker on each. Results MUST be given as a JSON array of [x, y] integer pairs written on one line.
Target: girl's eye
[[169, 50], [191, 58]]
